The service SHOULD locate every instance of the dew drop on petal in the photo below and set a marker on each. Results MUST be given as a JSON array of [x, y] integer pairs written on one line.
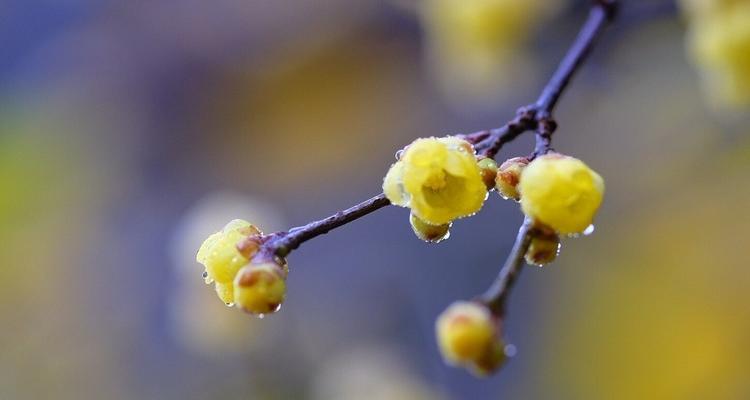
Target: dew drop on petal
[[440, 239], [589, 230], [229, 304], [510, 350]]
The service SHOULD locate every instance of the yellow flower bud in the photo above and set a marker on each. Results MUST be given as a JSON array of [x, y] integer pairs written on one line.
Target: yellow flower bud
[[260, 288], [488, 169], [220, 253], [466, 333], [508, 176], [438, 178], [225, 252], [491, 360], [427, 232], [561, 192], [544, 246]]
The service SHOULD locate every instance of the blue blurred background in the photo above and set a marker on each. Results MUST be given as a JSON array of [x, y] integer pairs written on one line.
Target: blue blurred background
[[130, 130]]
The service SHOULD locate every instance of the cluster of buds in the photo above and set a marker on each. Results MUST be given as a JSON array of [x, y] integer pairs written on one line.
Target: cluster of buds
[[241, 276], [468, 335], [440, 180], [560, 194]]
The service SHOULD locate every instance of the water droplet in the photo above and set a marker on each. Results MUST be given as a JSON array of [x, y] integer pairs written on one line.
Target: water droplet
[[589, 230], [205, 274], [230, 304], [510, 350], [260, 316], [440, 239]]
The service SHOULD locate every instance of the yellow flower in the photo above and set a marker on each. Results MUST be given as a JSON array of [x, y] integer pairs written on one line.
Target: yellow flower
[[719, 42], [467, 334], [474, 45], [260, 288], [561, 192], [221, 256], [438, 178], [225, 291]]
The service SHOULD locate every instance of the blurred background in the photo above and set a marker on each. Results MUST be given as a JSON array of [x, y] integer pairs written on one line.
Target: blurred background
[[131, 130]]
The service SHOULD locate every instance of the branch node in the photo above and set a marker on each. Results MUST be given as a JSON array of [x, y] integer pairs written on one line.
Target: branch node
[[611, 8]]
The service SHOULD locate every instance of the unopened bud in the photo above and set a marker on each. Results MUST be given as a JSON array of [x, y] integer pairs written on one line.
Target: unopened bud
[[488, 169], [260, 288], [428, 232], [466, 332], [508, 177], [543, 247]]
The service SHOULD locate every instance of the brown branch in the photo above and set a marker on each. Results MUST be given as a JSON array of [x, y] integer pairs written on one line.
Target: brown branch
[[487, 143], [288, 241], [603, 11], [496, 296]]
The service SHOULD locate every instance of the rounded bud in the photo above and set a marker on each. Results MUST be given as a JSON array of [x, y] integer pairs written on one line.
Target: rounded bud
[[466, 333], [260, 288], [508, 176], [491, 360], [543, 247], [226, 251], [561, 192], [428, 232], [488, 169]]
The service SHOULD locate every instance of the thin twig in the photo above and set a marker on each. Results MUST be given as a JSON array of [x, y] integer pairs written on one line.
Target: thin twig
[[602, 12], [496, 296], [296, 236]]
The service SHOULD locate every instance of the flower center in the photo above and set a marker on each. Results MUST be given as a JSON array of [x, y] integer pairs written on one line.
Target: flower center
[[436, 181]]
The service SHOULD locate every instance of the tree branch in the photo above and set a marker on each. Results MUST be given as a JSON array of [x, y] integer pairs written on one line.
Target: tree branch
[[288, 241], [603, 11], [487, 143], [496, 296]]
